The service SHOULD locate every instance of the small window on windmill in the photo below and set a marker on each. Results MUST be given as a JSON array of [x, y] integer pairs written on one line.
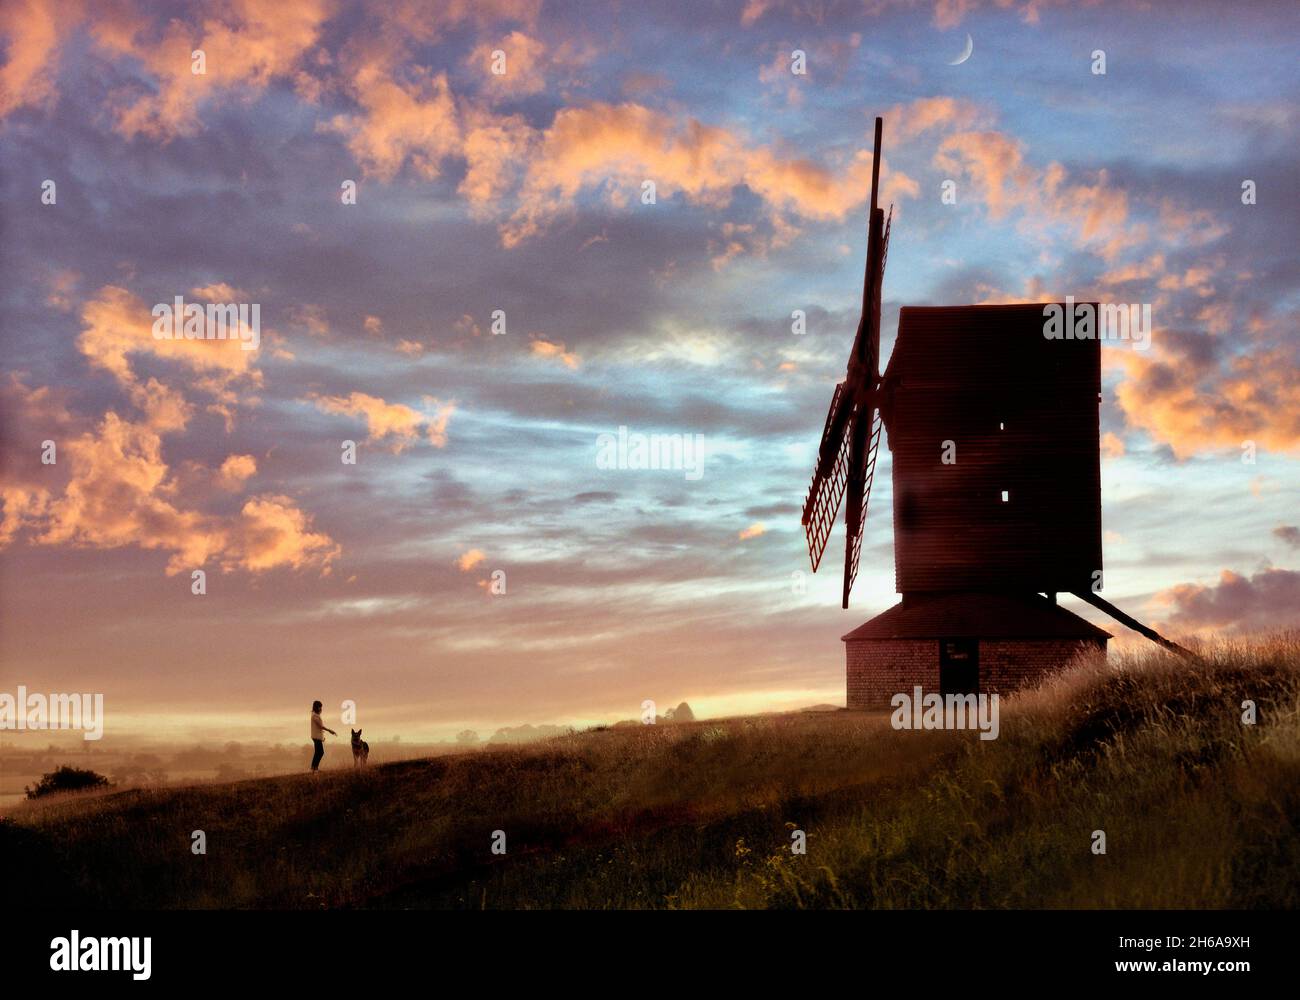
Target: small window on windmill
[[1006, 496]]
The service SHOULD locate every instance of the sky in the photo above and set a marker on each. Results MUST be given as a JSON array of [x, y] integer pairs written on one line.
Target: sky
[[501, 296]]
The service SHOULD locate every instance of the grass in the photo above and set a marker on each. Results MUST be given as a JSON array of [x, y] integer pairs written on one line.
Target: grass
[[1198, 809]]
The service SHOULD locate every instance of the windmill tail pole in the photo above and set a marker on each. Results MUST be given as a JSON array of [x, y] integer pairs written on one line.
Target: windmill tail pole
[[1101, 604]]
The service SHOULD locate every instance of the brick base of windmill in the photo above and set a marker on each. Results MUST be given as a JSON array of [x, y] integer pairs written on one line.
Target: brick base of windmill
[[969, 643]]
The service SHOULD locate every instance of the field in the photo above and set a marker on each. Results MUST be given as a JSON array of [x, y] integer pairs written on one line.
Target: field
[[1198, 809]]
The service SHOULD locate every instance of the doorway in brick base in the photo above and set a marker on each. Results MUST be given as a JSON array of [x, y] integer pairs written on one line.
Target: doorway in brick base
[[959, 666]]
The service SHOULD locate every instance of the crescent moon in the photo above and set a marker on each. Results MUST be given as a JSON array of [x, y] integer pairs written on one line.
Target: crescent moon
[[970, 47]]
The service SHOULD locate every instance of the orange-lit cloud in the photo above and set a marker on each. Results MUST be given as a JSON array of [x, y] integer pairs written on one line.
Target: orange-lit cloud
[[402, 121], [245, 43], [547, 349], [1197, 403], [993, 165], [112, 488], [523, 61], [616, 147], [753, 531], [311, 318], [468, 560], [117, 324], [495, 148], [1112, 445], [32, 31], [403, 424], [907, 121], [272, 531], [219, 291], [235, 470]]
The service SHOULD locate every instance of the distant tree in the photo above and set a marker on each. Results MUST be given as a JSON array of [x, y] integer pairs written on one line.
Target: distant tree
[[66, 779], [467, 736], [683, 713]]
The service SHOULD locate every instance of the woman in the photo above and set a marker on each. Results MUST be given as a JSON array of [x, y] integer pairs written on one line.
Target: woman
[[318, 731]]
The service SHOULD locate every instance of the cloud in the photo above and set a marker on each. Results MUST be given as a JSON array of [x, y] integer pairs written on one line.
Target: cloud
[[32, 31], [112, 488], [753, 531], [468, 560], [496, 148], [219, 291], [403, 424], [1112, 445], [410, 120], [1266, 601], [1288, 533], [311, 318], [524, 65], [29, 417], [547, 349], [994, 165], [118, 495], [436, 427], [907, 121], [615, 147], [117, 324], [950, 13], [1192, 394], [235, 470], [246, 44], [754, 10], [272, 531]]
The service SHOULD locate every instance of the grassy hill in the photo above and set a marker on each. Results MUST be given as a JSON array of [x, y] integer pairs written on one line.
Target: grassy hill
[[1199, 810]]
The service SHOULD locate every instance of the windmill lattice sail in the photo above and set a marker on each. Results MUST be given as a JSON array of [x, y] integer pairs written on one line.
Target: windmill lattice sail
[[826, 491], [846, 460], [856, 521]]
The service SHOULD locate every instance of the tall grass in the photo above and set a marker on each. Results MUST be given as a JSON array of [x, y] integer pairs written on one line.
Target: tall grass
[[1198, 810]]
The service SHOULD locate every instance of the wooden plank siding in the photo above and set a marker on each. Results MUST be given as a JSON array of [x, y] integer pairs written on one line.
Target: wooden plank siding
[[1023, 414]]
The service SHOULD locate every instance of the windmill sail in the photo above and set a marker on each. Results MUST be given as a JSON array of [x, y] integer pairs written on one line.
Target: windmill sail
[[855, 518], [826, 491], [846, 459]]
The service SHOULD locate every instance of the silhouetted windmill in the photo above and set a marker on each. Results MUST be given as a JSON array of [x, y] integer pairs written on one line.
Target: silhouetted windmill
[[995, 437]]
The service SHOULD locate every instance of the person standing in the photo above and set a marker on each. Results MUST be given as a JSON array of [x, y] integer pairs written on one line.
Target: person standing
[[318, 731]]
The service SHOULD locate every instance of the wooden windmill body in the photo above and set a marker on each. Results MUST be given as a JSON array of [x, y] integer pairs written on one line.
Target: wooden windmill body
[[993, 430]]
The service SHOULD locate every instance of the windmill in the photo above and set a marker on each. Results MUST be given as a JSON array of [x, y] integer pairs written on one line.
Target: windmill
[[995, 437], [846, 460]]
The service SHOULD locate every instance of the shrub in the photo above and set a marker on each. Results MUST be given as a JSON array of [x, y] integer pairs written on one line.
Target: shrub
[[67, 779]]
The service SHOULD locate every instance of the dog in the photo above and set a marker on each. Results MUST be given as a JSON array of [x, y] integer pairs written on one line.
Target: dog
[[360, 749]]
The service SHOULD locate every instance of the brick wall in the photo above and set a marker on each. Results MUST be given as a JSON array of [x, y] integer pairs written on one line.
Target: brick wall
[[1008, 664], [878, 669]]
